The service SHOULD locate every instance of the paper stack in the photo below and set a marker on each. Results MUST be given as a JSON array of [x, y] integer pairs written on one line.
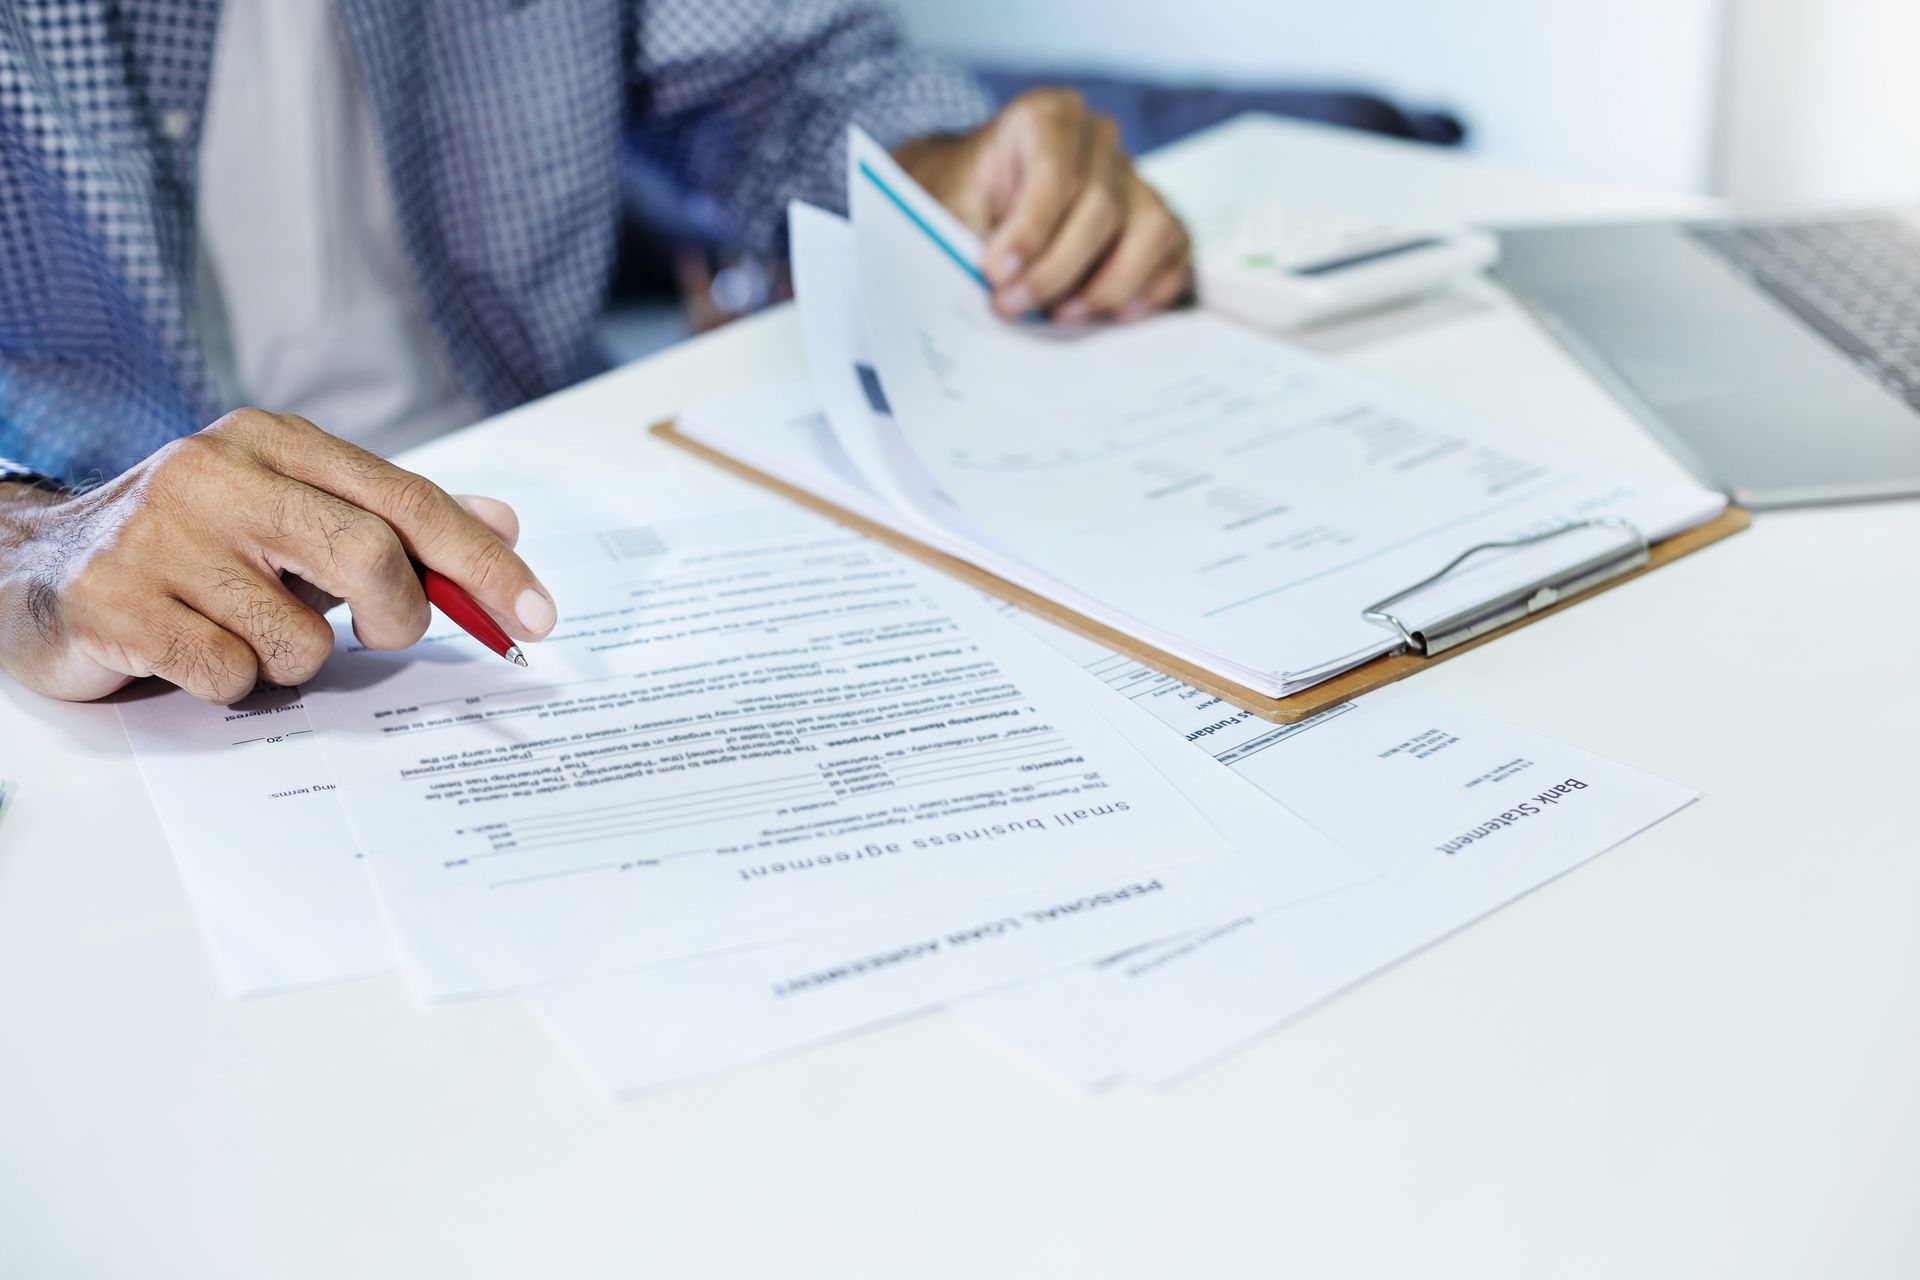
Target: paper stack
[[1205, 490], [771, 782]]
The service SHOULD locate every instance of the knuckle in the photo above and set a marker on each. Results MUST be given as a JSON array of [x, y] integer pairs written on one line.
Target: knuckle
[[230, 675], [1055, 102], [289, 640], [1165, 223], [217, 667], [191, 458], [1026, 240], [490, 566], [284, 437], [230, 666], [1050, 277], [1153, 218], [342, 537], [240, 420], [1164, 243], [168, 655], [307, 648], [413, 499], [248, 427], [391, 624], [1053, 289], [368, 545]]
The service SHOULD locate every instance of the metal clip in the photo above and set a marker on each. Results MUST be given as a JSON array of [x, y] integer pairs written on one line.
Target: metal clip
[[1510, 606]]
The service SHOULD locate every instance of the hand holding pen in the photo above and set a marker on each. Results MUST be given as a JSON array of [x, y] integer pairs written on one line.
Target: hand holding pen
[[208, 564]]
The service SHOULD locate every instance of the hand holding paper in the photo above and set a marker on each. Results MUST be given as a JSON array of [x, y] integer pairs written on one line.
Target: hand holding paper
[[1070, 227], [1230, 502]]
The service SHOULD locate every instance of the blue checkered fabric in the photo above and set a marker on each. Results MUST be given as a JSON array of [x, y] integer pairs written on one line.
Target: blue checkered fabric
[[501, 124]]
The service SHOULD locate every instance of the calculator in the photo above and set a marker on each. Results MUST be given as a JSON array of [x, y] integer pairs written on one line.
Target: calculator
[[1284, 267]]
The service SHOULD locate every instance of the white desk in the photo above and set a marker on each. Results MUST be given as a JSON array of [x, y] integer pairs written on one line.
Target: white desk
[[1697, 1056]]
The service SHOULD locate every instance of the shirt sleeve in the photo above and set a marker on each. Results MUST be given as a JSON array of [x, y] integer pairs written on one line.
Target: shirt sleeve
[[747, 102]]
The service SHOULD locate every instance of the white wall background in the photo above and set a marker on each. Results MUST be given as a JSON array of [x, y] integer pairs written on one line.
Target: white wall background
[[1820, 100], [1768, 99], [1610, 89]]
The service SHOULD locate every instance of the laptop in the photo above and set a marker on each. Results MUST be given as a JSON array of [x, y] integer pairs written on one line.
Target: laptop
[[1778, 358]]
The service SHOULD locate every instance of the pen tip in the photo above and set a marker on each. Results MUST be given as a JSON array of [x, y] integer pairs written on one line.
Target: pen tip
[[514, 655]]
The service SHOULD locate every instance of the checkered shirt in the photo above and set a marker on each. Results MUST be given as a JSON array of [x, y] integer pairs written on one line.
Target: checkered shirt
[[501, 124]]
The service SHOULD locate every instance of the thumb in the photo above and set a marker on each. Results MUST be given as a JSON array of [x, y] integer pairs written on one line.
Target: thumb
[[494, 514]]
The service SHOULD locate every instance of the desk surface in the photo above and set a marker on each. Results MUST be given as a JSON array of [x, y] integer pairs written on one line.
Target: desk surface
[[1695, 1056]]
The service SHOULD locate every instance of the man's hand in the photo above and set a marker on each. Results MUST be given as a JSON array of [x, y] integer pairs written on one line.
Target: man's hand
[[203, 565], [1069, 226]]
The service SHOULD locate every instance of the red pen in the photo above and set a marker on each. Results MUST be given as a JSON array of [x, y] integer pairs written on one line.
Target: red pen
[[466, 614]]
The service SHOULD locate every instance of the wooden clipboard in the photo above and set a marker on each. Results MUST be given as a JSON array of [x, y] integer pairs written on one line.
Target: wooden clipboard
[[1364, 678]]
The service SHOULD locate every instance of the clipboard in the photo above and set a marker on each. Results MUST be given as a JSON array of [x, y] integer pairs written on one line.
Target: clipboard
[[1419, 649]]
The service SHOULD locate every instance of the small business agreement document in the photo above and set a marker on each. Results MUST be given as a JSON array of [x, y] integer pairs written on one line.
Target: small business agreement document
[[754, 726]]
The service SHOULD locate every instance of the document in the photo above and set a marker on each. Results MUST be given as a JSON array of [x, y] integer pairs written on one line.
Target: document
[[752, 726], [1216, 493], [252, 813], [858, 428], [251, 810], [1458, 813], [1402, 811], [647, 1029], [865, 444]]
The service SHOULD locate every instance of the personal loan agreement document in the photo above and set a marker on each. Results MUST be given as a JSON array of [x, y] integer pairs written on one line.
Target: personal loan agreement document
[[649, 1028], [1233, 500], [752, 726], [268, 858], [1459, 813]]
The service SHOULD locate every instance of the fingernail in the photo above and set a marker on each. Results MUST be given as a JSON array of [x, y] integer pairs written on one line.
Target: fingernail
[[535, 611], [1075, 312], [1005, 266], [1017, 301]]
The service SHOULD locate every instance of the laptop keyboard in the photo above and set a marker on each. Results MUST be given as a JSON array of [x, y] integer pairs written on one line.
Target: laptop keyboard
[[1856, 281]]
